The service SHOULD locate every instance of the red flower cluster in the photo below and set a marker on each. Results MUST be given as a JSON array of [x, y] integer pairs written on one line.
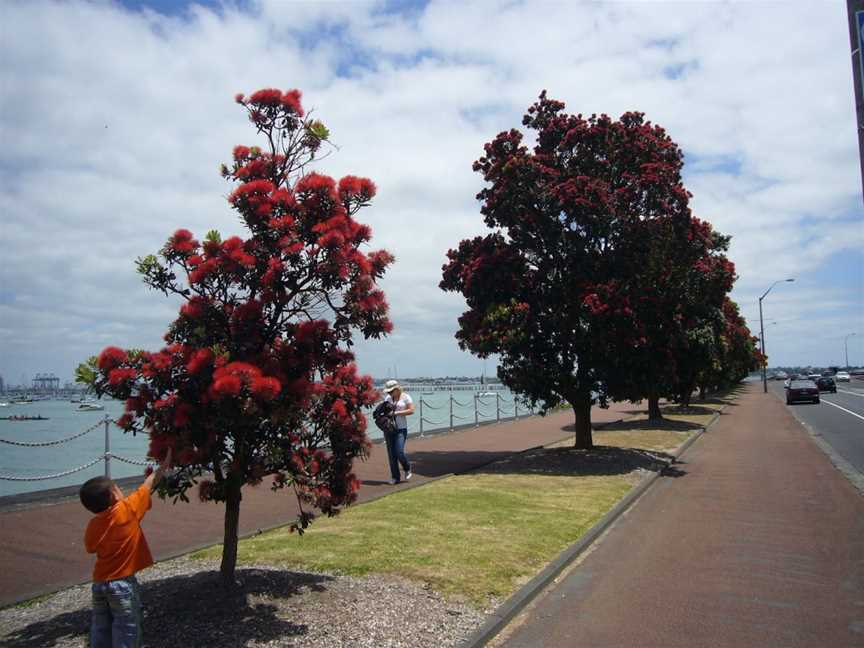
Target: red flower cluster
[[594, 304], [228, 381], [234, 249], [291, 100], [265, 388], [317, 183], [183, 243], [120, 376], [352, 187], [272, 98], [201, 359], [255, 189], [203, 271], [111, 357], [195, 307]]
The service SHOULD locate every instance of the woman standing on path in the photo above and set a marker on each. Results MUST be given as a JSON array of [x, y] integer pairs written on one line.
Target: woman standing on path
[[403, 407]]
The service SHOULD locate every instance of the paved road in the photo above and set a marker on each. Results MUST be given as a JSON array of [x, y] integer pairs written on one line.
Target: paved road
[[757, 543], [839, 418]]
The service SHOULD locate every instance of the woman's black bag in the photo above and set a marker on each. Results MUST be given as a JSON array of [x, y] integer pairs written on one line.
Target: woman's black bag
[[384, 418]]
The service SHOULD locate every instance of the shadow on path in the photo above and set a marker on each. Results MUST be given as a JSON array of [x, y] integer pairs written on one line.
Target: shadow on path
[[193, 610]]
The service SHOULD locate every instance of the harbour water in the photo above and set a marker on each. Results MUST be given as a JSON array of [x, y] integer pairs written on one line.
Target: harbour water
[[440, 408]]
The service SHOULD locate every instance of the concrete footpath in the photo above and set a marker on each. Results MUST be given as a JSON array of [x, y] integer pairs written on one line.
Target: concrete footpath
[[41, 545], [755, 541]]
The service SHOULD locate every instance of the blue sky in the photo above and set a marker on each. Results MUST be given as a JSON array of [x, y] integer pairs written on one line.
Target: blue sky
[[115, 117]]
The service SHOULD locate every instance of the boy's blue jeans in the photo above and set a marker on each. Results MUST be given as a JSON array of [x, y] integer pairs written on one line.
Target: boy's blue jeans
[[116, 614]]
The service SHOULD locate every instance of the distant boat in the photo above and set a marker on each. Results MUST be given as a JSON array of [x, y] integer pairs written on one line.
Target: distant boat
[[89, 406], [21, 400], [22, 417]]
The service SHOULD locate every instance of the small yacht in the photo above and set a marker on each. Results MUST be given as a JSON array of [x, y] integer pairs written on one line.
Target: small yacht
[[89, 406]]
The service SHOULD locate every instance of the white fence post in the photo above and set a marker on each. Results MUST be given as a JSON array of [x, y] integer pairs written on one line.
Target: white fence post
[[476, 417], [107, 448], [451, 411]]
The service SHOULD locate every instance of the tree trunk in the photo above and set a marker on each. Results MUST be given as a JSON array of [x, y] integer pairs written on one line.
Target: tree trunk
[[229, 542], [702, 392], [654, 413], [582, 422], [686, 395]]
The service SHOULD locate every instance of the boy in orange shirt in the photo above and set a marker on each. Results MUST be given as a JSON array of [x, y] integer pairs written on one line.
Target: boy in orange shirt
[[114, 535]]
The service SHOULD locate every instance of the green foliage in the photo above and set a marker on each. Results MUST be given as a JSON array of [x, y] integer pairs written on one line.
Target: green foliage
[[319, 130], [87, 372]]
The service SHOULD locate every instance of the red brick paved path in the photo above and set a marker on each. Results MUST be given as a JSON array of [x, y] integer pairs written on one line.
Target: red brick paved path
[[759, 543], [41, 548]]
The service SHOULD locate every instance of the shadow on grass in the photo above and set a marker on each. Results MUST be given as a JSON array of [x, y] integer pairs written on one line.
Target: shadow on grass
[[692, 410], [600, 460], [436, 464], [192, 610], [716, 400], [724, 398], [669, 425]]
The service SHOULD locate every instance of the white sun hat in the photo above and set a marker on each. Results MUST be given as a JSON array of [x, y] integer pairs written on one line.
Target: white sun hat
[[390, 385]]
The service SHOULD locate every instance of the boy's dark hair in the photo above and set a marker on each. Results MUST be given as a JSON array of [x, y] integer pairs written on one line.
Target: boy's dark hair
[[96, 494]]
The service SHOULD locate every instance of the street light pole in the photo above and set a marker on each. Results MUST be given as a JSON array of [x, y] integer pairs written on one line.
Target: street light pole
[[846, 348], [762, 345], [762, 337]]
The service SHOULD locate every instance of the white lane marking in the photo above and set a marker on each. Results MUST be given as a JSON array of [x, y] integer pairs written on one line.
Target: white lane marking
[[842, 408], [843, 391]]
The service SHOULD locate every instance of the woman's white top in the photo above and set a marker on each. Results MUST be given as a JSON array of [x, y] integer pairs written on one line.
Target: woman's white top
[[403, 403]]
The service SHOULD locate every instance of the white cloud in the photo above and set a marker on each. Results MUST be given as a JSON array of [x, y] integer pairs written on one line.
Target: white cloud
[[114, 124]]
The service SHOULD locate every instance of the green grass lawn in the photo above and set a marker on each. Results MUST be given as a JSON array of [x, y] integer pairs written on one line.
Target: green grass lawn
[[471, 536], [476, 537]]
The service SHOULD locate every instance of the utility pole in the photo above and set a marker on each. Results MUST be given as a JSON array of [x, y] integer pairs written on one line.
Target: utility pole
[[855, 9]]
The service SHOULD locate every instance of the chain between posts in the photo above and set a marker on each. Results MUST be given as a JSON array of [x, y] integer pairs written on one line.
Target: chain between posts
[[133, 461], [105, 456], [55, 476], [45, 444]]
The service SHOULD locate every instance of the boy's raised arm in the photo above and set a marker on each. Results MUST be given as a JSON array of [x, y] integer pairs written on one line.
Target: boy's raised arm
[[154, 477]]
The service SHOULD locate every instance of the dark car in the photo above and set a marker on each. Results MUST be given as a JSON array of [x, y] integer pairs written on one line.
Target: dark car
[[826, 384], [802, 390]]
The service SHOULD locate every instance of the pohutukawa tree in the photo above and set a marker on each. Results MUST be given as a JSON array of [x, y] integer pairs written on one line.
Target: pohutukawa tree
[[257, 379], [699, 320], [575, 220], [736, 355], [675, 293]]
